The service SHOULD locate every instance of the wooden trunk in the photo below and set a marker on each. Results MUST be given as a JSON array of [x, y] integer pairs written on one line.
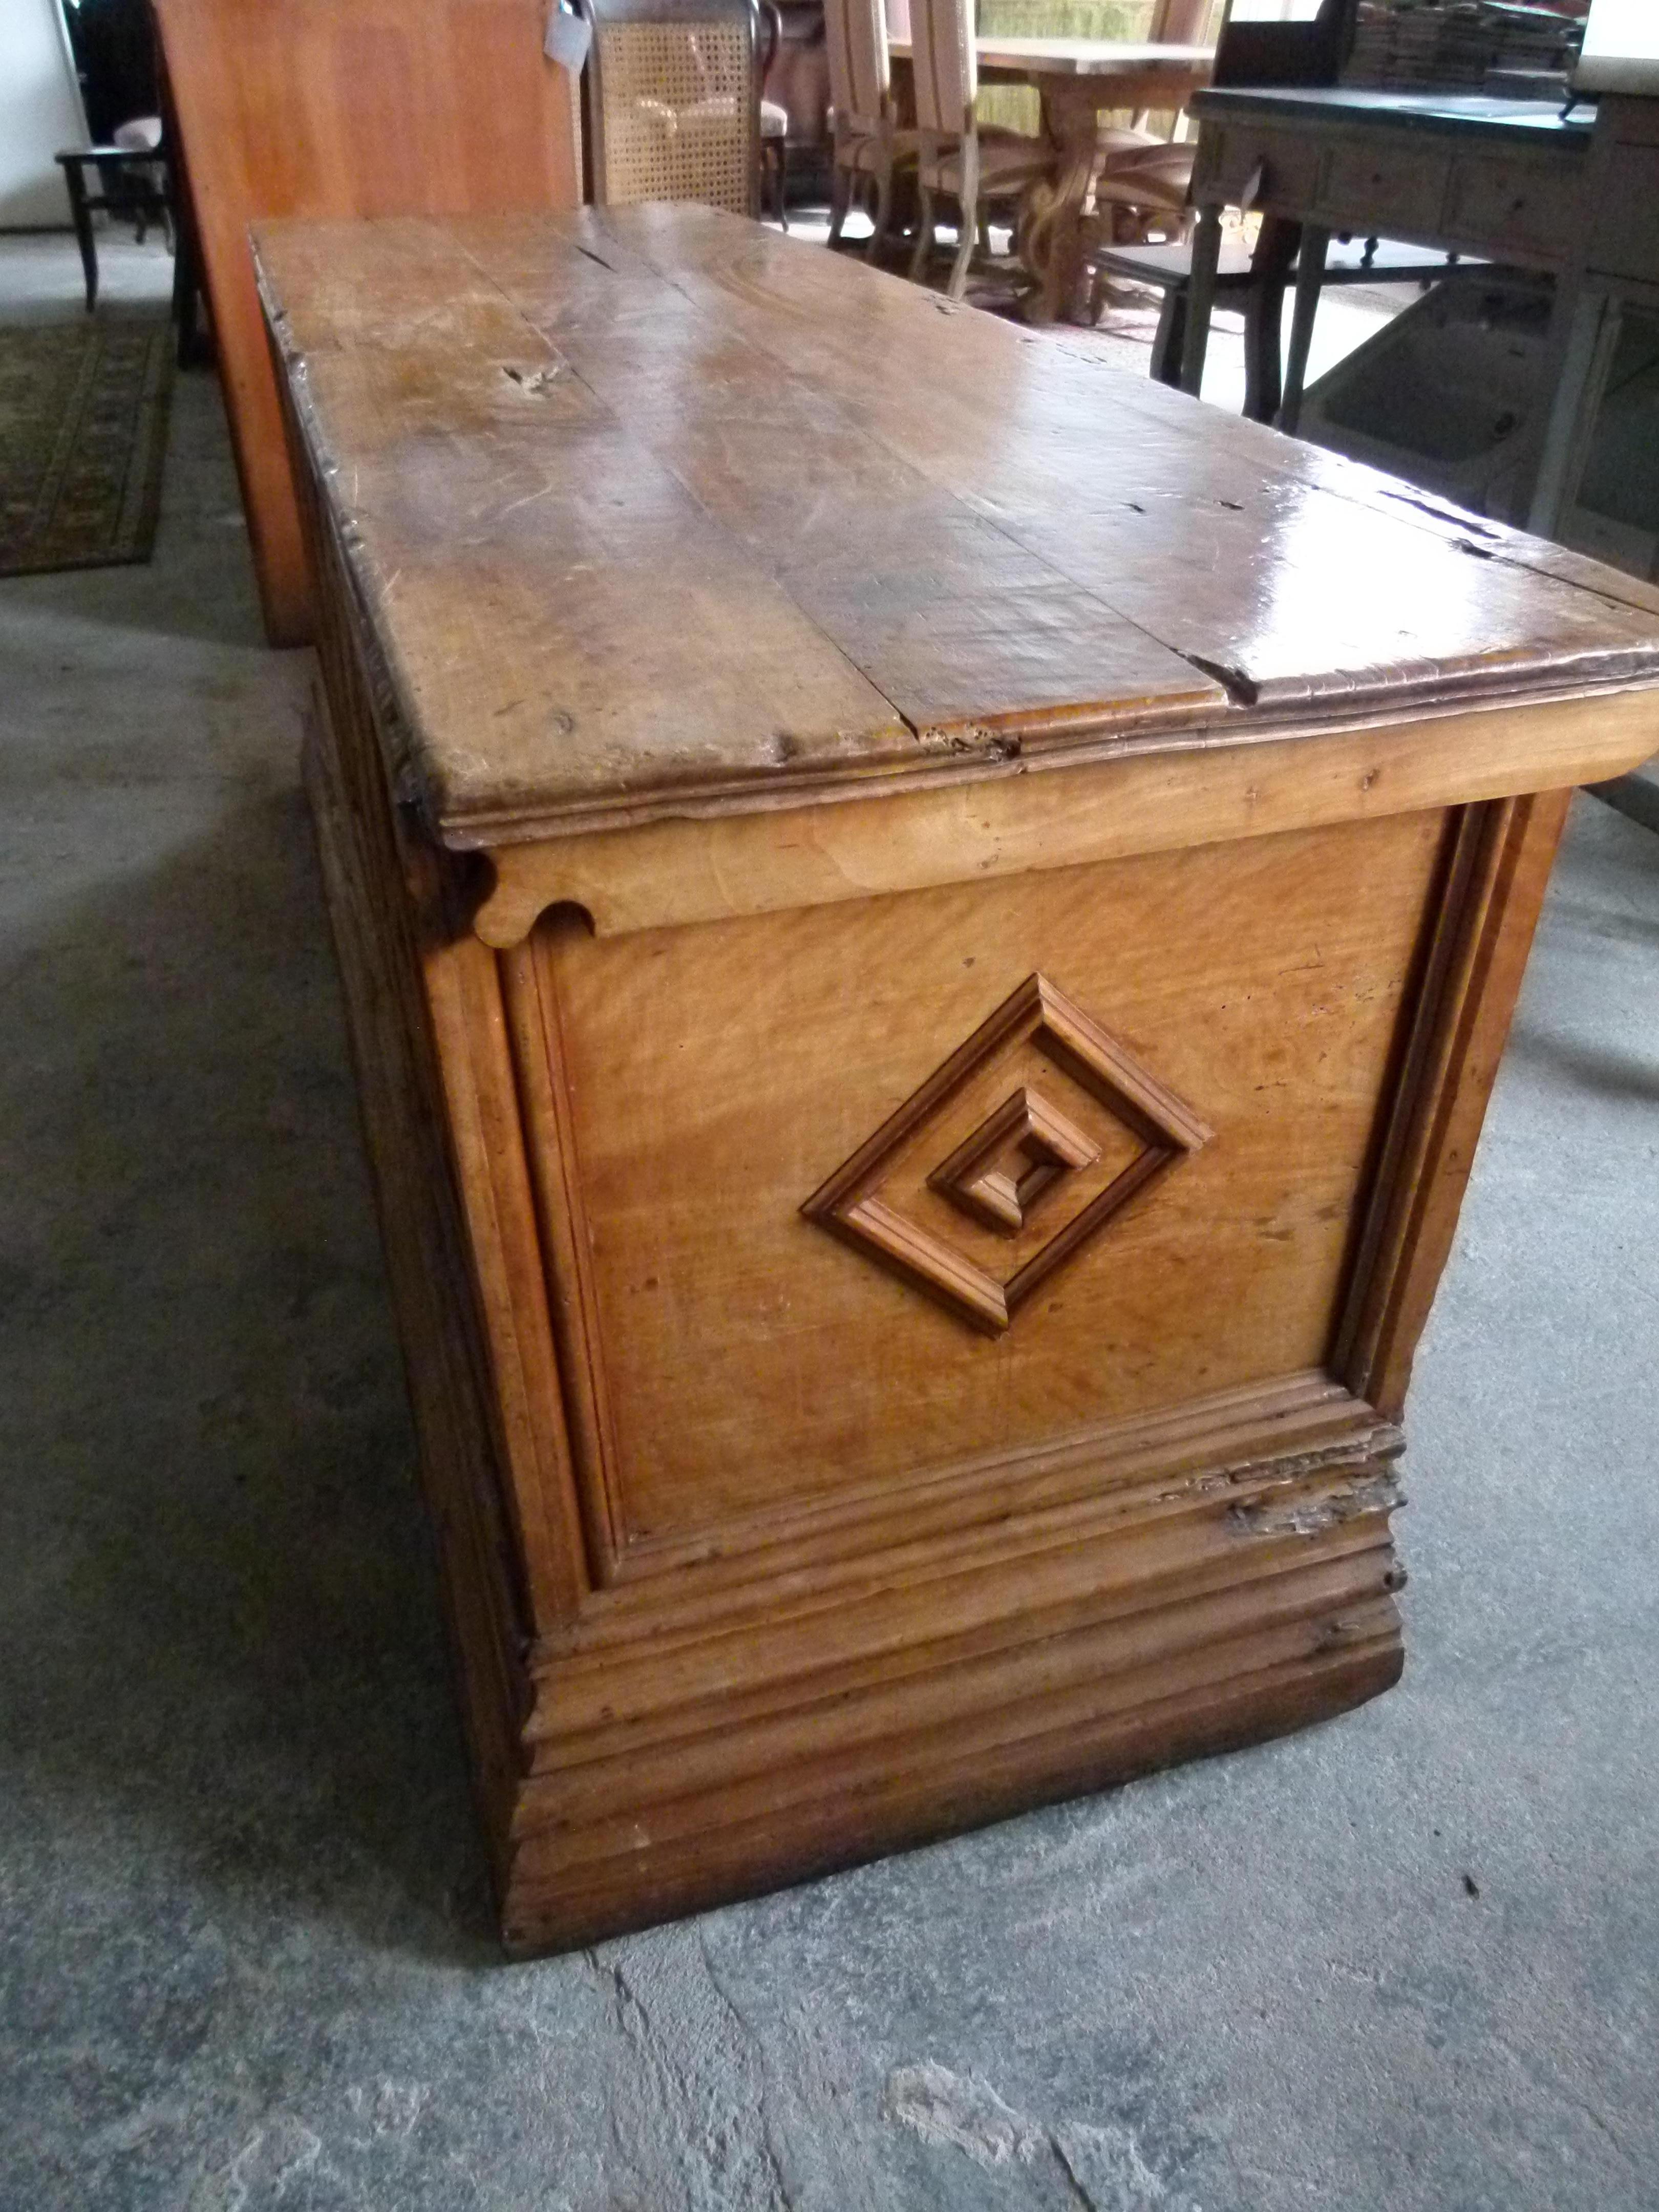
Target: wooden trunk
[[921, 1027]]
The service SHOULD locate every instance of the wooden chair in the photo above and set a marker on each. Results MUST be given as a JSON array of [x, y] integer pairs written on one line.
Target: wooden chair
[[867, 142], [955, 158], [128, 182], [672, 102], [1141, 191], [1140, 194]]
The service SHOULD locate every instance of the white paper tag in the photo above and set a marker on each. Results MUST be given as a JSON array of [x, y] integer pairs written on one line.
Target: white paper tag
[[568, 37]]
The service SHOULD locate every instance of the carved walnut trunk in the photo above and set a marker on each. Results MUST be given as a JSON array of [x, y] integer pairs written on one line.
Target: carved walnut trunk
[[926, 928]]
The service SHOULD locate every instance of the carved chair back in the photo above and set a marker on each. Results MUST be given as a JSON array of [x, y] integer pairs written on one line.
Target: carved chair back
[[945, 65], [860, 71]]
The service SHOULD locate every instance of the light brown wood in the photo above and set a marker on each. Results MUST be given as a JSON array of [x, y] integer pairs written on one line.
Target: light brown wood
[[873, 531], [903, 1326], [352, 109], [709, 867]]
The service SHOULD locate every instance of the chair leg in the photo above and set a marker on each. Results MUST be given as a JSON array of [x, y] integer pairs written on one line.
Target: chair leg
[[780, 182], [1171, 330], [924, 233], [840, 194], [967, 230], [81, 217], [884, 212]]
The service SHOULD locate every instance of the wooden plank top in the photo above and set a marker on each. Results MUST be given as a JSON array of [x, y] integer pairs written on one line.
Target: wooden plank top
[[653, 511], [1084, 56]]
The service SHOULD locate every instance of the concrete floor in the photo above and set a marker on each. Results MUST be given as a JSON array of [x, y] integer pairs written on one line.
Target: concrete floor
[[1407, 1960]]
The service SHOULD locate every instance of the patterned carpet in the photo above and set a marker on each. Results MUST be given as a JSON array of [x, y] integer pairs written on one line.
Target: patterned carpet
[[83, 421]]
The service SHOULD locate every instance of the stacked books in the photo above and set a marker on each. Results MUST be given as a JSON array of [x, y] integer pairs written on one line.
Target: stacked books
[[1419, 45]]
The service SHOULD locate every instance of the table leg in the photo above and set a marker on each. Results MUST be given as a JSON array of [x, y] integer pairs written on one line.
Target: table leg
[[1051, 226], [1264, 313], [80, 215], [1172, 336], [1309, 281], [1583, 360], [1200, 298]]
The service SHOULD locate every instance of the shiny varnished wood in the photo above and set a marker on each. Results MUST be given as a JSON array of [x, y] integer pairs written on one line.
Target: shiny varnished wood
[[1179, 580], [927, 954]]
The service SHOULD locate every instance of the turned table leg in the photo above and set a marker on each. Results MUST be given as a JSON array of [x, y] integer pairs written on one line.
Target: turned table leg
[[1310, 280], [1051, 225], [1200, 298]]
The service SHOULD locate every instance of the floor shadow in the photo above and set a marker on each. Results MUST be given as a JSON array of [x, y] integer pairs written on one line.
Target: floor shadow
[[1606, 1073], [219, 1622]]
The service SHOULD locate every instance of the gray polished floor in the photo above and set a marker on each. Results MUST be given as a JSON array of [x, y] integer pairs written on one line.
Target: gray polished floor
[[1408, 1960]]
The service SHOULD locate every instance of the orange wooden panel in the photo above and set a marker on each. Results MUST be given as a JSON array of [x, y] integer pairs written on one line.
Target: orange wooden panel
[[347, 107], [717, 1075]]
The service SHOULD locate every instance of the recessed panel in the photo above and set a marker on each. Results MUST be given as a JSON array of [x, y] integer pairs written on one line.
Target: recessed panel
[[718, 1076]]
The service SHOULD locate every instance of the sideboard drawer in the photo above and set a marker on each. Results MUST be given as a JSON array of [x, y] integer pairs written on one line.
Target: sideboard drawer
[[1506, 207], [1624, 238], [1288, 163], [1369, 188]]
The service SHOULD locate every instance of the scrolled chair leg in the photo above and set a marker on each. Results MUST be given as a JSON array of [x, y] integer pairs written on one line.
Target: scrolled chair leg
[[883, 215], [967, 231], [924, 234], [840, 195]]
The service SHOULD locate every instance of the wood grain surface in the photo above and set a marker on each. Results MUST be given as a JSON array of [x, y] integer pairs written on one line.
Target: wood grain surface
[[908, 1266], [806, 572]]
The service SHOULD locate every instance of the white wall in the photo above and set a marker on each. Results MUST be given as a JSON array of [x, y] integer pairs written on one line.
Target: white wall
[[39, 112]]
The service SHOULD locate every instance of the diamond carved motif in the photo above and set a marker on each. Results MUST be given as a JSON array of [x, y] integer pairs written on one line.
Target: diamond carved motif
[[1024, 1149], [1012, 1173]]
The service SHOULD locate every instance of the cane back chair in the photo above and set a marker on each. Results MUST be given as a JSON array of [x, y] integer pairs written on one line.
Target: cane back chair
[[673, 104]]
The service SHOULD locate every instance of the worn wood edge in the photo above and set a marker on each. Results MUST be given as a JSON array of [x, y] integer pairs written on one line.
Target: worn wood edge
[[668, 1742], [944, 1790], [938, 1522], [488, 1632], [694, 869], [1222, 706], [758, 1735], [913, 1613], [463, 1024], [530, 986], [1498, 874]]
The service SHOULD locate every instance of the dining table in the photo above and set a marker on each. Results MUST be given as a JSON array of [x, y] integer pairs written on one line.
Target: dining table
[[1078, 81], [927, 928]]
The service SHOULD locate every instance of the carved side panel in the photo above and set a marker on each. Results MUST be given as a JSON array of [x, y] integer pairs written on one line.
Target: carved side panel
[[1014, 1173], [1043, 1062]]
